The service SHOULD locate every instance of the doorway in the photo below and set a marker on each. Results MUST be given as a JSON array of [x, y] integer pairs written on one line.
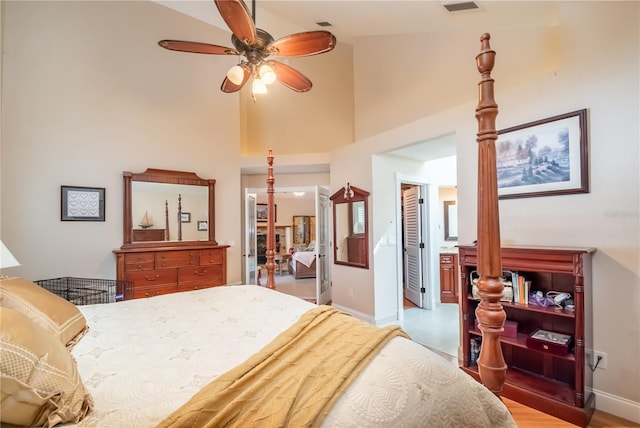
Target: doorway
[[425, 318], [311, 203]]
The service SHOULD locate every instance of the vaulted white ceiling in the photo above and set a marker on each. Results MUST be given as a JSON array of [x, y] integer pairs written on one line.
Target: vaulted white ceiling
[[361, 18]]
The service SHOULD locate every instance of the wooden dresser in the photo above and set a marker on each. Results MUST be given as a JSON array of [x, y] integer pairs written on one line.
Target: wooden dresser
[[162, 270]]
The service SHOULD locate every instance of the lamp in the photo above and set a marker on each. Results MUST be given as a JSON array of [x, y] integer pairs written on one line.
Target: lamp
[[267, 75], [348, 191], [6, 258], [236, 74], [258, 86], [298, 194]]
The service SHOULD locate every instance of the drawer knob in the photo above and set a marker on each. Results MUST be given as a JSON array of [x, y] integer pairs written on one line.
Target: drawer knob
[[204, 272], [151, 278]]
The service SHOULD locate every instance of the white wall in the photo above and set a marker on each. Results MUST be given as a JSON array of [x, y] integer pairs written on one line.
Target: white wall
[[598, 70], [88, 94], [291, 122]]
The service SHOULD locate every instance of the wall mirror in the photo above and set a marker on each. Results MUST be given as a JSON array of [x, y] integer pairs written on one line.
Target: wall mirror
[[450, 221], [350, 228], [173, 208]]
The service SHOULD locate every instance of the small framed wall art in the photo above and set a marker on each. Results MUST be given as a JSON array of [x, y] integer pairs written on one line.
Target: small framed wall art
[[82, 203], [262, 211], [202, 225]]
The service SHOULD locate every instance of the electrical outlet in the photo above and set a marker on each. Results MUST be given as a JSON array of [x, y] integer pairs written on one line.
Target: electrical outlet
[[603, 360]]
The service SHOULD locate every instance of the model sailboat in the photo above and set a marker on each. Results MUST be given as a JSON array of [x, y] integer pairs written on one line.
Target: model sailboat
[[145, 222]]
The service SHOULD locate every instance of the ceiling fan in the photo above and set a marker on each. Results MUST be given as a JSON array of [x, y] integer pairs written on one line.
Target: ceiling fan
[[256, 46]]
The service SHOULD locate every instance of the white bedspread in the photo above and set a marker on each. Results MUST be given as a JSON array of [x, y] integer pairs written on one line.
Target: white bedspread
[[304, 257], [144, 358]]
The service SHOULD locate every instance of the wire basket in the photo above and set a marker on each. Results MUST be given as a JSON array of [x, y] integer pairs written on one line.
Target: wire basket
[[85, 291]]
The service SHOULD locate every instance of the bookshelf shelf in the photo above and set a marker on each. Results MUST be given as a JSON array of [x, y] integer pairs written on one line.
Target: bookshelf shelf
[[560, 385]]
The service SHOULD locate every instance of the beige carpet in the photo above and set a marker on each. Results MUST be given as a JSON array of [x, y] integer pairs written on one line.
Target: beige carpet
[[304, 288]]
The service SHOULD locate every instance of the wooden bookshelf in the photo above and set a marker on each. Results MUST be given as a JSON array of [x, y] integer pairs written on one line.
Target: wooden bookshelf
[[559, 385]]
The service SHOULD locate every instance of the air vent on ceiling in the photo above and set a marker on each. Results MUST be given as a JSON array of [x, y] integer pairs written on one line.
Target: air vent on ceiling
[[457, 7], [324, 24]]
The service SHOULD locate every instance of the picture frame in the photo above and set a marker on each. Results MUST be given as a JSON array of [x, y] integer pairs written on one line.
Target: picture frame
[[78, 203], [202, 225], [262, 211], [544, 158], [185, 217]]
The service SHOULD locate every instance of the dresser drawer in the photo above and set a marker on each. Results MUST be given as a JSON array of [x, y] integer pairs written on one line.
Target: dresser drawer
[[167, 259], [190, 286], [141, 292], [214, 256], [207, 274], [138, 261], [447, 258], [155, 277]]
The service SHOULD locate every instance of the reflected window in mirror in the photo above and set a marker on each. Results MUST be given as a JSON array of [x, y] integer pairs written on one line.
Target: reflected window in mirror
[[350, 229], [450, 221]]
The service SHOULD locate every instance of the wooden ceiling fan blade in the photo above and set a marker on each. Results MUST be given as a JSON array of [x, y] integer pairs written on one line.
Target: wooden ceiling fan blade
[[290, 77], [196, 47], [228, 86], [236, 15], [303, 44]]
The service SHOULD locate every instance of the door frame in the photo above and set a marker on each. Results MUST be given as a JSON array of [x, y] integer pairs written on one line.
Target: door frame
[[430, 260], [316, 190], [250, 262]]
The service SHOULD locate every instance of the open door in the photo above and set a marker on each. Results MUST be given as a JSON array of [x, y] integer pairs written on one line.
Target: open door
[[250, 245], [413, 245], [323, 246]]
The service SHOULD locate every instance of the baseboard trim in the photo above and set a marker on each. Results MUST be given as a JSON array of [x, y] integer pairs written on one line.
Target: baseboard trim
[[359, 315], [618, 406]]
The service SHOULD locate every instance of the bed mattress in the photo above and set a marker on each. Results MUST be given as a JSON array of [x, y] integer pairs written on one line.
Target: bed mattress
[[144, 358]]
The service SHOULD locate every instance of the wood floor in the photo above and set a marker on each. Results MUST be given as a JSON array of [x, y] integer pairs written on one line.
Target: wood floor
[[526, 417]]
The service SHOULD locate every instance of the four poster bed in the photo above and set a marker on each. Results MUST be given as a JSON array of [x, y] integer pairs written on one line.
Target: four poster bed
[[251, 356]]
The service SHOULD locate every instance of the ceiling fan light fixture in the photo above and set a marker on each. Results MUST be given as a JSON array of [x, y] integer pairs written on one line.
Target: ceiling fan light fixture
[[258, 86], [236, 74], [267, 75], [256, 45]]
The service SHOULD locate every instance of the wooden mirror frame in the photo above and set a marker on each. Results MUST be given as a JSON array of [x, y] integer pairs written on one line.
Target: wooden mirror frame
[[448, 220], [358, 196], [169, 177]]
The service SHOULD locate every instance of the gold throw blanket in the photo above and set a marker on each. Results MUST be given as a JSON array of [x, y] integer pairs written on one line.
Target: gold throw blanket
[[292, 382]]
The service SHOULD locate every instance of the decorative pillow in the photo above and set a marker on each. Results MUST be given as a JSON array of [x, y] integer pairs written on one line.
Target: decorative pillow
[[40, 382], [48, 310]]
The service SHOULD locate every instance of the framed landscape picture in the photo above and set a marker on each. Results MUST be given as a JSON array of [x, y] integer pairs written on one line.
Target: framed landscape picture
[[544, 158]]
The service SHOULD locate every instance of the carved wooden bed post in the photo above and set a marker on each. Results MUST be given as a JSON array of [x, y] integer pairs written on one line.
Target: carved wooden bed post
[[489, 313], [271, 224]]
